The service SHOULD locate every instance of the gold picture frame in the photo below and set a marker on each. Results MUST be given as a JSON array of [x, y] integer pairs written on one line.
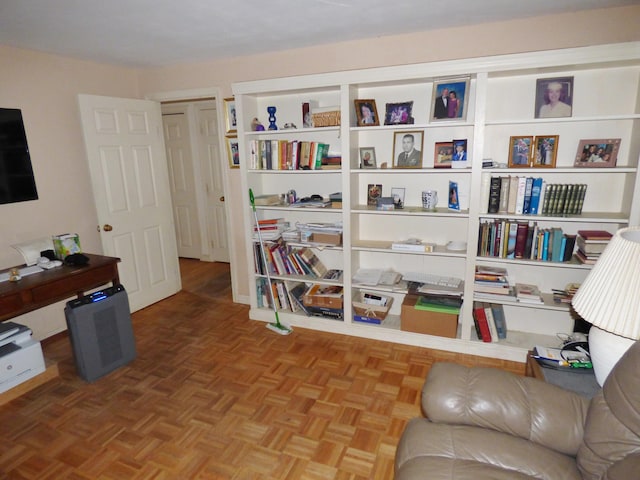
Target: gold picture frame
[[545, 151], [230, 115], [366, 113], [233, 152]]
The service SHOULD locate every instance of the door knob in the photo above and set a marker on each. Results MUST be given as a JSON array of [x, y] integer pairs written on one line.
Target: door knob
[[222, 198], [107, 228]]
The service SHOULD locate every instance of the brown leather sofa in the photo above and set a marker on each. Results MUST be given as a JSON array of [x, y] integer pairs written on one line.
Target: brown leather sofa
[[489, 424]]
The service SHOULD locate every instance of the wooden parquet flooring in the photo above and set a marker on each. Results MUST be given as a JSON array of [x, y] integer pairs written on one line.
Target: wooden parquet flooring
[[213, 395]]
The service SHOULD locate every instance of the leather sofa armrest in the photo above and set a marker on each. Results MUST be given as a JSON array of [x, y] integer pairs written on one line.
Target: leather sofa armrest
[[624, 469], [502, 401]]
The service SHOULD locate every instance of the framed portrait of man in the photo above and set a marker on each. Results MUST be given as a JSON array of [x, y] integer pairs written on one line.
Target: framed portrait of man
[[450, 99], [407, 149], [554, 97]]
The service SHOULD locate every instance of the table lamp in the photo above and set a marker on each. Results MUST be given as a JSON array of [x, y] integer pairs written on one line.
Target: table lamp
[[609, 299]]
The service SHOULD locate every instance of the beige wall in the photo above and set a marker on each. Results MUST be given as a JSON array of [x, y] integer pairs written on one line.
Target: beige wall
[[45, 87], [541, 33]]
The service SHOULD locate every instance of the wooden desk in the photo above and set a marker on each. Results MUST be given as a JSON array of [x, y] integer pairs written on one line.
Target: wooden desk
[[45, 288], [50, 286]]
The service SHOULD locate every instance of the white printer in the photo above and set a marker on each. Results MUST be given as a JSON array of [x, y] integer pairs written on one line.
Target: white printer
[[20, 355]]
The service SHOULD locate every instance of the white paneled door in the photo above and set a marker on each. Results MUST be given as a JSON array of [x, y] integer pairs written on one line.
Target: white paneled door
[[129, 175], [182, 179]]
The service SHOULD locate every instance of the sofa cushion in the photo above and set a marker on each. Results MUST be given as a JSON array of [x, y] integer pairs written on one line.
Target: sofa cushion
[[440, 451]]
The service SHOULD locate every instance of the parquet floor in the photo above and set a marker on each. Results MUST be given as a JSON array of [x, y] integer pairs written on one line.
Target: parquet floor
[[213, 395]]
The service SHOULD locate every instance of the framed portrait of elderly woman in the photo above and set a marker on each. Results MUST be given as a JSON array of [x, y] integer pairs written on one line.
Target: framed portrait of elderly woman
[[230, 115], [366, 113], [554, 97]]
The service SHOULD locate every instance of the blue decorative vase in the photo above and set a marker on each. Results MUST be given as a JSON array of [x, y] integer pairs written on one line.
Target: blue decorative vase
[[272, 118]]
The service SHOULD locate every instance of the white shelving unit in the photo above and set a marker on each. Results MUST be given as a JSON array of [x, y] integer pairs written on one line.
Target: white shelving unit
[[606, 104]]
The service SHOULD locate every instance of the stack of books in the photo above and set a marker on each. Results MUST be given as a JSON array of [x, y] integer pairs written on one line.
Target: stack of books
[[566, 295], [492, 283], [489, 321], [591, 244], [270, 229], [528, 293]]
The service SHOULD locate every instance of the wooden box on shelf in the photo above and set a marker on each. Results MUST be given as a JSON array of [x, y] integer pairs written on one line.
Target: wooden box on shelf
[[425, 321]]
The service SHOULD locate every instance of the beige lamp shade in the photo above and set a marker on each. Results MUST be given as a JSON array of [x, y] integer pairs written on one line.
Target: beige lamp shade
[[609, 298]]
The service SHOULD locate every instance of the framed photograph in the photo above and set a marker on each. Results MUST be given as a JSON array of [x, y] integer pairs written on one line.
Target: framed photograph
[[398, 113], [520, 151], [450, 99], [407, 149], [442, 155], [366, 113], [398, 197], [459, 155], [600, 153], [367, 157], [232, 152], [230, 115], [554, 97], [545, 151], [374, 191], [454, 202]]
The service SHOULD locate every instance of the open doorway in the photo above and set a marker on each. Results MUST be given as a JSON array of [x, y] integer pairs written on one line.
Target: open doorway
[[197, 188]]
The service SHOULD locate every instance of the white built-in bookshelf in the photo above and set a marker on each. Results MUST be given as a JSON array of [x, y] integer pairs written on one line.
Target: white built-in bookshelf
[[501, 98]]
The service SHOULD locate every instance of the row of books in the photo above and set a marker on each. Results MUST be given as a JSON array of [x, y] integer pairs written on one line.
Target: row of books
[[290, 296], [521, 195], [291, 155], [524, 240], [489, 321], [284, 260]]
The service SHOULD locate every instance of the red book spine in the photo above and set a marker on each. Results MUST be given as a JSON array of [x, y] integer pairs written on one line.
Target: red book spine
[[481, 318]]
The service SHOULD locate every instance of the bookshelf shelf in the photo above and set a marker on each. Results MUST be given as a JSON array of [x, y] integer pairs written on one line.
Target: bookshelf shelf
[[500, 104]]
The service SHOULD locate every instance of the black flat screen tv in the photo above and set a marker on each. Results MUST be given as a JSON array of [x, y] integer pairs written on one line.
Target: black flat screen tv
[[17, 183]]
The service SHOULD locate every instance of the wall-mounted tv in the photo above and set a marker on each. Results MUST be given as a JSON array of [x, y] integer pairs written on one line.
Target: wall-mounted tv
[[17, 183]]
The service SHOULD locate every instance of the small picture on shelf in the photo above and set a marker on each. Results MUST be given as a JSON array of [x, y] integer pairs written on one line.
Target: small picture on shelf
[[597, 153], [442, 155], [366, 113], [398, 197], [398, 113], [450, 98], [367, 157], [232, 152], [230, 115], [545, 151], [374, 191], [520, 151], [554, 97], [459, 156], [407, 149], [454, 202]]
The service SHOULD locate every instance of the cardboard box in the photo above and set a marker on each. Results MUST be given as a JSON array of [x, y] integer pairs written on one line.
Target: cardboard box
[[327, 296], [427, 322], [330, 238]]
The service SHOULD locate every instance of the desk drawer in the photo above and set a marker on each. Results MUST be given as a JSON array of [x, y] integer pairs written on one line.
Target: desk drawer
[[80, 281], [11, 302]]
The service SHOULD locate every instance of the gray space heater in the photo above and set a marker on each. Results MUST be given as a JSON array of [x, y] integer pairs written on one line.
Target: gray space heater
[[101, 332]]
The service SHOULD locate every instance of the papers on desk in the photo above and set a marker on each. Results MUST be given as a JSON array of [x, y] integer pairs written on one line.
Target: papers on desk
[[4, 276]]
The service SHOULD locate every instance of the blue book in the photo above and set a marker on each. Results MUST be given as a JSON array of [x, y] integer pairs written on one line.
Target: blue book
[[498, 317], [536, 190], [545, 245]]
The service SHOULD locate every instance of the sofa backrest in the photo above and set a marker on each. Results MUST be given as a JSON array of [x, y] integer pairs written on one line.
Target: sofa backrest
[[612, 428]]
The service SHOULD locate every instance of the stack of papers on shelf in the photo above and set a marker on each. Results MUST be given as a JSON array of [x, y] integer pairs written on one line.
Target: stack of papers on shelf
[[528, 293], [413, 245], [382, 279], [270, 229]]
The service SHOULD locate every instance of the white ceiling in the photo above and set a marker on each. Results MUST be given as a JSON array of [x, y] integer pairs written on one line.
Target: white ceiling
[[151, 33]]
